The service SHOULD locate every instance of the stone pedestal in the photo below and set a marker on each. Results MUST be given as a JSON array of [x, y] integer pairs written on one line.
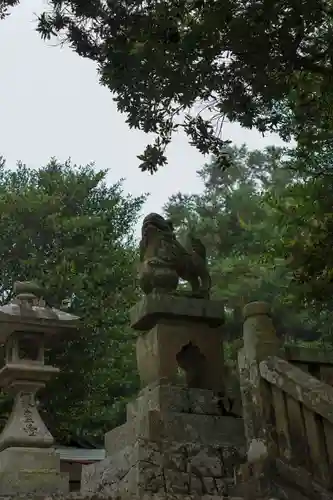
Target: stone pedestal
[[28, 463], [180, 336], [36, 471], [177, 439]]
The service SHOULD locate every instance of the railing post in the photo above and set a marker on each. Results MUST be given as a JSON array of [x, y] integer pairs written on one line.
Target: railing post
[[260, 341]]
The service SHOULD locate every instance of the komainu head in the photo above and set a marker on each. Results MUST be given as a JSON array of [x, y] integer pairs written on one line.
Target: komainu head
[[157, 221]]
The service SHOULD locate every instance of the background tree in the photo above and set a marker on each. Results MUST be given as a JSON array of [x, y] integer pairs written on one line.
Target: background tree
[[238, 217], [303, 214], [265, 65], [65, 227], [5, 6]]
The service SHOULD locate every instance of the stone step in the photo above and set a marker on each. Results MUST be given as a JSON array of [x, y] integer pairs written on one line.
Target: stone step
[[180, 427]]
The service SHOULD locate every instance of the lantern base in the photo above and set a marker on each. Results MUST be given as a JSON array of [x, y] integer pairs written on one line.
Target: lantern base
[[31, 470], [25, 427], [36, 483]]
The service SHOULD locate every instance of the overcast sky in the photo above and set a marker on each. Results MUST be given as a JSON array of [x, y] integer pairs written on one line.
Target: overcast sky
[[51, 104]]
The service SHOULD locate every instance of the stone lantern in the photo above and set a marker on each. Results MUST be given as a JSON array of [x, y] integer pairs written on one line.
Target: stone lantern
[[28, 463]]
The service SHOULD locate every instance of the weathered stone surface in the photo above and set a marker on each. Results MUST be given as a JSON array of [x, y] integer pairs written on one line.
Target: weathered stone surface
[[314, 394], [260, 341], [154, 307], [256, 399], [31, 471], [180, 457], [193, 483], [254, 481], [300, 480], [34, 483], [158, 349], [143, 477], [206, 429], [124, 435], [175, 399], [25, 426], [112, 469], [286, 491], [146, 477], [259, 334], [159, 426], [124, 496], [29, 460]]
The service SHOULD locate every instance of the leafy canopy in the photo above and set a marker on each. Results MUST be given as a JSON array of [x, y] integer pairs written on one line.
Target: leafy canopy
[[263, 64], [251, 218], [4, 6], [304, 216], [65, 227]]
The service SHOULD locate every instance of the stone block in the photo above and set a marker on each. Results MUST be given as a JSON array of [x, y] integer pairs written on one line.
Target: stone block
[[204, 460], [205, 429], [179, 483], [143, 477], [29, 460], [33, 483], [31, 471], [107, 473], [159, 426], [205, 465], [150, 478], [154, 308], [124, 435], [192, 483], [195, 348], [165, 496], [201, 460], [162, 495], [98, 477], [174, 399]]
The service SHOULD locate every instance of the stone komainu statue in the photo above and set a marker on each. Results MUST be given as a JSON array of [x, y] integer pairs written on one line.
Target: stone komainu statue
[[163, 260]]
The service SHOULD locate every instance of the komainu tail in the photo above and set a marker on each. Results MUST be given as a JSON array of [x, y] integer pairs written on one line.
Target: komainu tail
[[195, 247], [198, 247]]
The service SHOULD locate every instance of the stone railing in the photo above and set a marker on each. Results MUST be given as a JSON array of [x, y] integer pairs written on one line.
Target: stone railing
[[288, 413], [318, 363], [301, 420]]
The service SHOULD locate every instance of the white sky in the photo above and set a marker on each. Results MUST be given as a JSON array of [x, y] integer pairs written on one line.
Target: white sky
[[51, 104]]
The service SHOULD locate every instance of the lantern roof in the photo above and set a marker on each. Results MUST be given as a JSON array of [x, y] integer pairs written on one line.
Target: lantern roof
[[29, 312]]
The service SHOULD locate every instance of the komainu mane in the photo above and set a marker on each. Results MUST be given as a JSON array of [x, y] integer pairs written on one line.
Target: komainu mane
[[163, 260]]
